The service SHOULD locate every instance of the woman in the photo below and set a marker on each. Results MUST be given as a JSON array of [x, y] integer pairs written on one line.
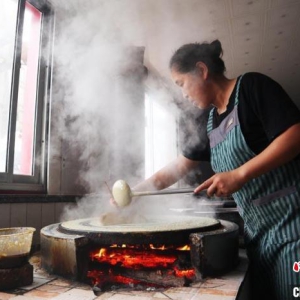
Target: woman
[[253, 134]]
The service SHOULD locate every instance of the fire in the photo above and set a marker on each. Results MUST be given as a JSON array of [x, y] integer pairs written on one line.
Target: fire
[[184, 248], [164, 247], [101, 278], [185, 273], [128, 264], [102, 252], [131, 258], [160, 248], [151, 246]]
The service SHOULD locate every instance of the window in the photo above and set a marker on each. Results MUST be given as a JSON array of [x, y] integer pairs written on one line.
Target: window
[[160, 136], [25, 28]]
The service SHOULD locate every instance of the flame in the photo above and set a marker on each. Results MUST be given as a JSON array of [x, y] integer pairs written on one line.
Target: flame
[[151, 246], [185, 273], [102, 252], [100, 277], [129, 258], [154, 258], [184, 248], [157, 248]]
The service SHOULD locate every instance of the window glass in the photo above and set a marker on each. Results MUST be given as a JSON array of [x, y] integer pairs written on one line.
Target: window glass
[[24, 138], [8, 18], [160, 136]]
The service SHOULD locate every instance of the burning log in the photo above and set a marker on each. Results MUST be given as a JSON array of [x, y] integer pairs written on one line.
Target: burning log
[[123, 278], [129, 267], [137, 258], [164, 278], [161, 278]]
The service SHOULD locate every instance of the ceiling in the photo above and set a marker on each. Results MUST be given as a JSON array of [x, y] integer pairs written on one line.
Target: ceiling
[[258, 35]]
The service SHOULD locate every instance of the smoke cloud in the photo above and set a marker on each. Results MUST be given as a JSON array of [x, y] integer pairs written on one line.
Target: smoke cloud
[[98, 95]]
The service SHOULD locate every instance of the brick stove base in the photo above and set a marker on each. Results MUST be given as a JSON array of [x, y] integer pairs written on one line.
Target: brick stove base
[[212, 252], [16, 277]]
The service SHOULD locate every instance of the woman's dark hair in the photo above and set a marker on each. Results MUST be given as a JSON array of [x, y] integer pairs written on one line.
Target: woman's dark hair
[[184, 60]]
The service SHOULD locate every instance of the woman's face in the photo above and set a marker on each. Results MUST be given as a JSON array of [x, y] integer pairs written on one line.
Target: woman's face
[[194, 87]]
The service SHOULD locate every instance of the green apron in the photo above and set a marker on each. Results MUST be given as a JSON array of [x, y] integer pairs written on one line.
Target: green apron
[[269, 206]]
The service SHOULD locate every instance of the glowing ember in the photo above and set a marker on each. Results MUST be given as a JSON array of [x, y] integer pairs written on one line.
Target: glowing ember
[[185, 273], [131, 258], [151, 246], [127, 264], [101, 277], [184, 248]]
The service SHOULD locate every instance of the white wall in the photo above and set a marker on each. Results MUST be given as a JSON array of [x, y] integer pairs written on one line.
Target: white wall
[[35, 215]]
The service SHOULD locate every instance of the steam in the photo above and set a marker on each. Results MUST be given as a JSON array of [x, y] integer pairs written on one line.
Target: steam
[[98, 97], [89, 60]]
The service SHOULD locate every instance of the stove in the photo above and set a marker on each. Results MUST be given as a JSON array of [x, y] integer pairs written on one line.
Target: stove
[[164, 251]]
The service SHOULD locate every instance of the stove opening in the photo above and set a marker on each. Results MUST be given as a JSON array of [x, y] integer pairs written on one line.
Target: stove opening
[[140, 267]]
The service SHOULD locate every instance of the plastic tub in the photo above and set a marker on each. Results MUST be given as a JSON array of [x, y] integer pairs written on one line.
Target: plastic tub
[[15, 245]]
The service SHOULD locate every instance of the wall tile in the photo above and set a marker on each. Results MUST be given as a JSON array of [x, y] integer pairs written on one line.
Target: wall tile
[[48, 214], [34, 219], [59, 208], [18, 214], [5, 215]]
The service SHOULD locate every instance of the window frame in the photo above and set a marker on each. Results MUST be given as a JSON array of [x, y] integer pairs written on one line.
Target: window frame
[[38, 181]]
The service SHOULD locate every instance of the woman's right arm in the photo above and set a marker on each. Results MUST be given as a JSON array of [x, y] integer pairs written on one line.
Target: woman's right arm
[[168, 175]]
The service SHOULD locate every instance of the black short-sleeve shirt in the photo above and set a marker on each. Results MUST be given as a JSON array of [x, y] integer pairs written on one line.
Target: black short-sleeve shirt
[[265, 111]]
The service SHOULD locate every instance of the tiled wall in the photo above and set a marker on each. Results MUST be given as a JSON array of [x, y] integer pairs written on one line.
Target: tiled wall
[[35, 215]]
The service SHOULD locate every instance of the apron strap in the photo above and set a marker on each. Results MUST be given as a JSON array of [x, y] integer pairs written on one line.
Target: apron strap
[[236, 101]]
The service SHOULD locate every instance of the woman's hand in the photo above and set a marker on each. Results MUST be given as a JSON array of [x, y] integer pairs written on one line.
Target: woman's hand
[[222, 184]]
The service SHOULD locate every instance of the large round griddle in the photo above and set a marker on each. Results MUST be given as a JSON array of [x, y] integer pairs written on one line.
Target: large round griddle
[[157, 230]]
